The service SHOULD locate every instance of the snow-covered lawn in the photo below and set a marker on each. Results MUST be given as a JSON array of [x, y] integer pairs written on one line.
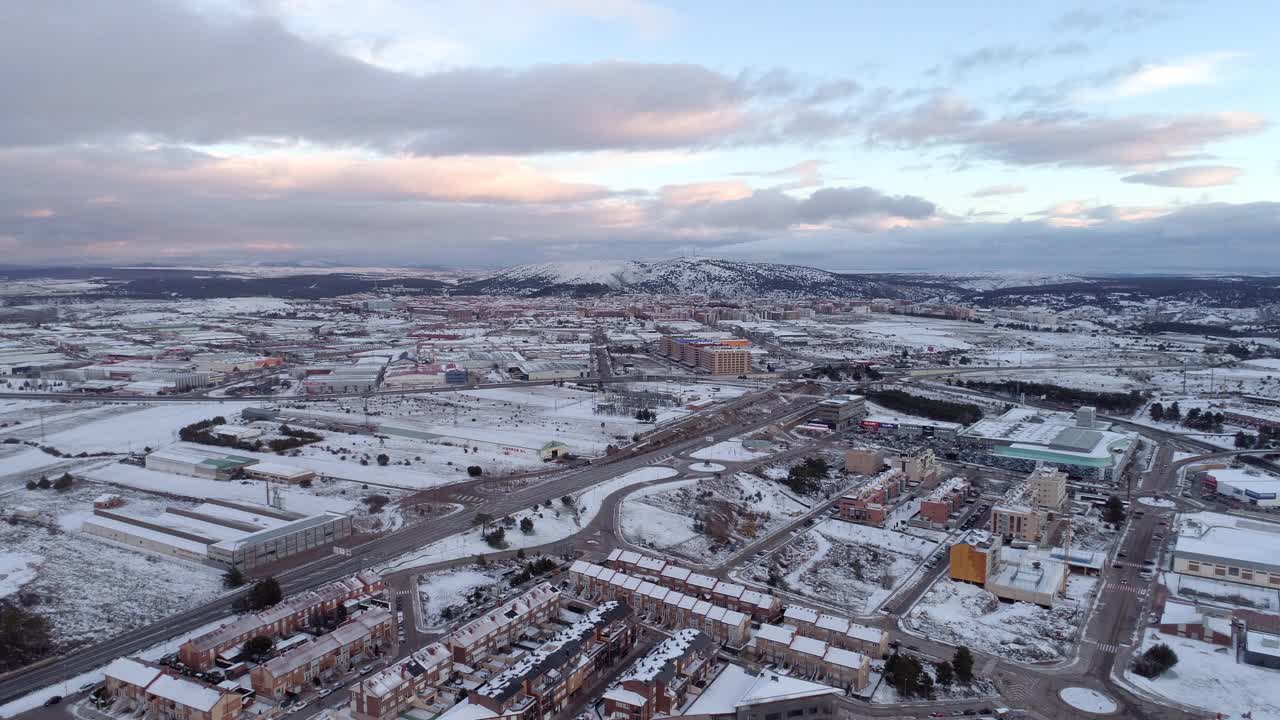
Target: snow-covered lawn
[[728, 451], [134, 427], [962, 614], [706, 519], [1208, 676], [1092, 701], [451, 588], [550, 523], [707, 467], [1157, 502]]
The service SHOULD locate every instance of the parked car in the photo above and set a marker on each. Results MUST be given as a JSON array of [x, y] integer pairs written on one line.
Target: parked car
[[324, 692], [366, 669], [52, 700]]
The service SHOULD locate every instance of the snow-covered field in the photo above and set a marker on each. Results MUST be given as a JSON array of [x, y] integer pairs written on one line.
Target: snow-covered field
[[551, 523], [90, 589], [964, 614], [706, 519], [1208, 676]]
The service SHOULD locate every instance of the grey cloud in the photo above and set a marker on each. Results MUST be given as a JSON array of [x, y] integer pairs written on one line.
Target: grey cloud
[[773, 209], [1115, 19], [1218, 236], [1011, 56], [159, 70], [1066, 139], [1191, 176]]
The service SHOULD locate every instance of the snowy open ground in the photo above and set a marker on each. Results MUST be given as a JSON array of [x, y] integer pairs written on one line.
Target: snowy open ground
[[450, 588], [551, 524], [962, 614], [853, 566], [731, 510], [1208, 676], [90, 589]]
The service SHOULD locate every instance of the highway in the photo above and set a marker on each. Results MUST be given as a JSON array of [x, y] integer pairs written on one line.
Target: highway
[[380, 550]]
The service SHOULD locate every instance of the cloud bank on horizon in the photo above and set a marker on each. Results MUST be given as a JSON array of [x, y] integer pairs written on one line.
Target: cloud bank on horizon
[[1099, 137]]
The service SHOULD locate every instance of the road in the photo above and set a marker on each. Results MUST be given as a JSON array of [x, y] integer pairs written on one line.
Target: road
[[378, 551]]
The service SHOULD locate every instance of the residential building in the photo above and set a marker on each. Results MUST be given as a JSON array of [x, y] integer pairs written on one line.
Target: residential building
[[661, 605], [294, 612], [412, 681], [328, 655], [735, 694], [837, 631], [145, 689], [502, 625], [871, 502], [944, 501], [539, 684], [864, 461], [1262, 649], [919, 467], [657, 684], [760, 606], [974, 556], [815, 658]]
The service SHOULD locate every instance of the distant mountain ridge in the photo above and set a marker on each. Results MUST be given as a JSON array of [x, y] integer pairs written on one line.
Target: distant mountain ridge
[[679, 276]]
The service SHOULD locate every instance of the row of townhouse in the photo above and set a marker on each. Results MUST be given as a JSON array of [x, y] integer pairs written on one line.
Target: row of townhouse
[[415, 679], [657, 684], [813, 657], [760, 606], [142, 688], [328, 655], [837, 631], [670, 608], [504, 624], [542, 683], [292, 613]]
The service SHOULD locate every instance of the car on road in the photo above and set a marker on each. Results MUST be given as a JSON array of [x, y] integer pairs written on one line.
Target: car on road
[[300, 706], [324, 692], [937, 713], [1121, 554], [88, 686], [913, 647], [366, 669]]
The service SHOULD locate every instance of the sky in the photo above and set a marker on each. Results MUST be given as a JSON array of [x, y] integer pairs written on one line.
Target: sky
[[853, 136]]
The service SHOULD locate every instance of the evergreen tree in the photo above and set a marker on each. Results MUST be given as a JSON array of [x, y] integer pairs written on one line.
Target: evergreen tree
[[962, 663]]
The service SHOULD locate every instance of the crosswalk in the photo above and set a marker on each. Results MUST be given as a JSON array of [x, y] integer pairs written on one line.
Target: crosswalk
[[1119, 587], [1020, 688], [471, 498], [1104, 646]]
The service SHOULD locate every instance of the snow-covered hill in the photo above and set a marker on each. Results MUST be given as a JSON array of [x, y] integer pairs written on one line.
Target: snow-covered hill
[[678, 276]]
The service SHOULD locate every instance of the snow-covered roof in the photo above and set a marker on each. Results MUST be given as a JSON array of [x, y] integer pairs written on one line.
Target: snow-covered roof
[[1262, 643], [185, 692], [131, 671], [775, 633], [808, 645], [626, 697], [799, 613], [1218, 537], [660, 663], [844, 658], [771, 687]]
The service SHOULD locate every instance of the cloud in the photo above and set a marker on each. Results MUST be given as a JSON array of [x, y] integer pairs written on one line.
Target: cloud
[[995, 190], [161, 71], [804, 174], [1116, 19], [1000, 56], [1191, 176], [704, 192], [1064, 139], [1079, 213], [773, 209], [645, 16], [1154, 77]]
